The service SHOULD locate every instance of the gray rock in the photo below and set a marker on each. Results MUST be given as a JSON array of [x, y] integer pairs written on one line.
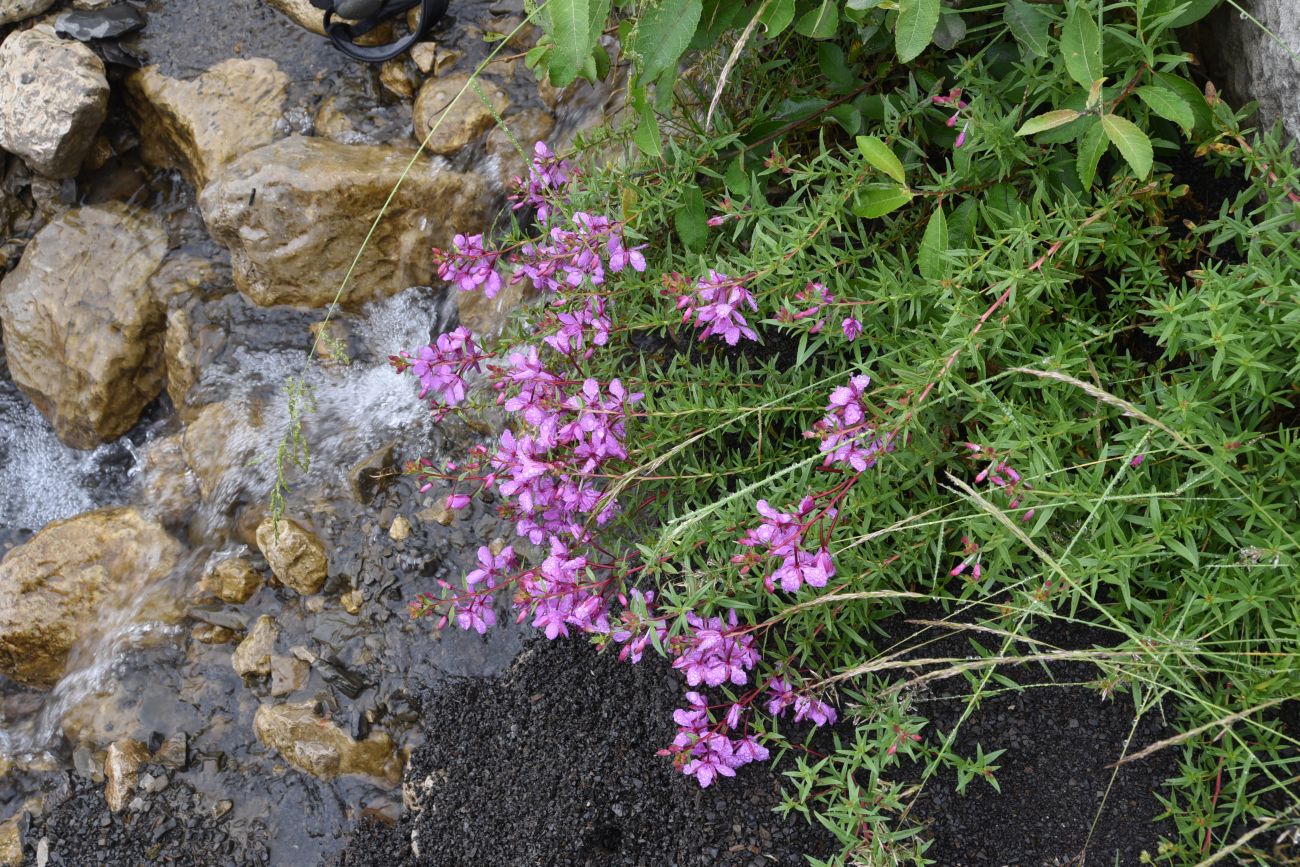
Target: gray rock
[[53, 98], [108, 23], [1250, 65]]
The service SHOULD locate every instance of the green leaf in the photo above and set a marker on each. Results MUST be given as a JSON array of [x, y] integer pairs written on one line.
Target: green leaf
[[835, 66], [1167, 104], [951, 30], [690, 221], [570, 23], [916, 22], [1090, 150], [934, 243], [646, 134], [880, 156], [876, 200], [1132, 143], [777, 16], [1195, 11], [1029, 25], [820, 23], [1081, 47], [1191, 94], [1050, 120], [662, 34]]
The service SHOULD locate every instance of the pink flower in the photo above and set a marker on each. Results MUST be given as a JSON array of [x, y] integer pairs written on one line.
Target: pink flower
[[716, 306], [852, 328]]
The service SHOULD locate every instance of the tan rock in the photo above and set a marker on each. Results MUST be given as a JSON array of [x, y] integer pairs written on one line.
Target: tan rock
[[352, 601], [200, 125], [287, 675], [252, 658], [460, 117], [233, 580], [333, 123], [221, 437], [82, 331], [527, 128], [11, 842], [53, 587], [374, 473], [397, 79], [122, 771], [208, 633], [320, 747], [424, 55], [168, 489], [309, 17], [294, 554], [19, 10], [55, 99], [295, 240], [400, 529]]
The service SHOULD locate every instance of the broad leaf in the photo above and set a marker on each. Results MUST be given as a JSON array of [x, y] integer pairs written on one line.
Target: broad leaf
[[646, 134], [951, 30], [880, 156], [1029, 25], [1167, 104], [1132, 143], [690, 221], [916, 22], [777, 16], [1081, 46], [876, 200], [1050, 120], [1094, 144], [570, 24], [821, 22], [1192, 95], [934, 243], [1195, 11], [662, 34]]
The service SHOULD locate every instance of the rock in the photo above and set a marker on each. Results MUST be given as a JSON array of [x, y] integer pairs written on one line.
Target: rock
[[174, 753], [11, 842], [374, 474], [320, 747], [112, 22], [201, 125], [122, 770], [293, 242], [311, 18], [82, 332], [53, 587], [400, 529], [287, 675], [397, 79], [294, 554], [20, 10], [53, 98], [252, 659], [1253, 62], [184, 273], [352, 601], [233, 580], [168, 489], [486, 316], [527, 127], [424, 55], [221, 437], [209, 633], [458, 122]]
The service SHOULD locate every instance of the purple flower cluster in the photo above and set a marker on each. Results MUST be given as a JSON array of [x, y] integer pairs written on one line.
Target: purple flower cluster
[[548, 176], [805, 707], [469, 266], [780, 536], [847, 436], [474, 610], [578, 254], [715, 305], [1003, 476], [703, 748], [441, 367], [713, 652]]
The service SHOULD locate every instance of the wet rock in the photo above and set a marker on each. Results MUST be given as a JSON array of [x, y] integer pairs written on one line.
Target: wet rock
[[311, 18], [174, 753], [53, 587], [400, 529], [121, 771], [424, 55], [252, 659], [53, 98], [374, 474], [11, 842], [287, 675], [295, 555], [459, 120], [208, 633], [352, 601], [111, 22], [182, 274], [82, 332], [293, 240], [201, 125], [221, 437], [233, 580], [322, 748], [19, 10], [168, 489], [397, 78]]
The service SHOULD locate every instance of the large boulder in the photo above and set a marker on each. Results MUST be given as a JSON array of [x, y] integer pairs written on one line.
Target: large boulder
[[1254, 63], [320, 747], [53, 98], [54, 588], [200, 125], [294, 214], [453, 105], [82, 330]]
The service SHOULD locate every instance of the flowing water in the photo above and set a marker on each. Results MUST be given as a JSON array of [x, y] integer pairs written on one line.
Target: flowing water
[[143, 674]]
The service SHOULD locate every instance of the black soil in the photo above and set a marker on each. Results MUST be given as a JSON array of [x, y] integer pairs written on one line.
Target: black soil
[[554, 764]]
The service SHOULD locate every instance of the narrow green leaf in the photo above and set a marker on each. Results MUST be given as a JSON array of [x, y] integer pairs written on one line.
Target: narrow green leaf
[[570, 22], [1167, 104], [1029, 25], [646, 134], [777, 16], [876, 200], [1132, 143], [1081, 46], [690, 221], [880, 156], [934, 243], [820, 23], [662, 34], [1094, 144], [916, 22], [1050, 120]]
